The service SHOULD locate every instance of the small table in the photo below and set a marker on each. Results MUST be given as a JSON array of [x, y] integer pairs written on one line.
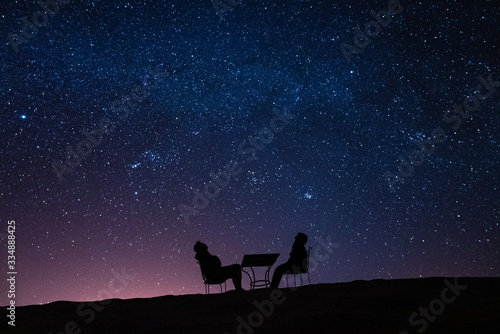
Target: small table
[[258, 260]]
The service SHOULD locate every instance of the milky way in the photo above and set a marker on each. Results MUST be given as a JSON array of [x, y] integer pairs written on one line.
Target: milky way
[[130, 130]]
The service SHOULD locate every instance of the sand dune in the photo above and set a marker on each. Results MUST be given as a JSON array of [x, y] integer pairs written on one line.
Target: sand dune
[[428, 305]]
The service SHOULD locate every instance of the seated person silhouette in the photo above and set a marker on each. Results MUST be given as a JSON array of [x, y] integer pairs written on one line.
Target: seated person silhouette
[[212, 268], [295, 263]]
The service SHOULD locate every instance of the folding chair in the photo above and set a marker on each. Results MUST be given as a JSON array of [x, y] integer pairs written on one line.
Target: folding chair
[[302, 270]]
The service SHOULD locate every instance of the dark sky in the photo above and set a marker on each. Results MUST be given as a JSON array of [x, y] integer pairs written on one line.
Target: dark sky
[[314, 114]]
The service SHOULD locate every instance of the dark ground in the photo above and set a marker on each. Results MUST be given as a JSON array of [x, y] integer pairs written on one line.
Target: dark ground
[[378, 306]]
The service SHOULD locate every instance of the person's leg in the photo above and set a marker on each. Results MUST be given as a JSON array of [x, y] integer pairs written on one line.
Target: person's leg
[[278, 274], [234, 272], [236, 275]]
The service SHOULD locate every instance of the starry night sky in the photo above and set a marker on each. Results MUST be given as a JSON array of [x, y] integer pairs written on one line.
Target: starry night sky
[[212, 85]]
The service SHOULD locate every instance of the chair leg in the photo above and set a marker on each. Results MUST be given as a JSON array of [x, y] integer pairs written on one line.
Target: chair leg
[[301, 283]]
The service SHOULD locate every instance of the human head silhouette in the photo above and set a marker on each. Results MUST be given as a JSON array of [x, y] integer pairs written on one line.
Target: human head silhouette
[[301, 238], [200, 247]]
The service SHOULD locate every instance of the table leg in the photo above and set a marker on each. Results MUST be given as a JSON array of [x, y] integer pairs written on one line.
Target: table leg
[[252, 284], [250, 277], [266, 277]]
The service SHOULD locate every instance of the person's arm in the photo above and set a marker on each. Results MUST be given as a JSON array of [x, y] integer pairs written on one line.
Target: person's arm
[[298, 254], [295, 250]]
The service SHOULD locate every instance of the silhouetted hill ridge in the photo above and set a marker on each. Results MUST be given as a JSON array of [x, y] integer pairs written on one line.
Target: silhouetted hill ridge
[[437, 305]]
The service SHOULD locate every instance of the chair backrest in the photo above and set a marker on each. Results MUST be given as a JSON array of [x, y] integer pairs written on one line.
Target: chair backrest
[[202, 273], [306, 268]]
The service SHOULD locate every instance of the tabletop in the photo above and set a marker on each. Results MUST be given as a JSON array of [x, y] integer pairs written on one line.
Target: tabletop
[[259, 260]]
